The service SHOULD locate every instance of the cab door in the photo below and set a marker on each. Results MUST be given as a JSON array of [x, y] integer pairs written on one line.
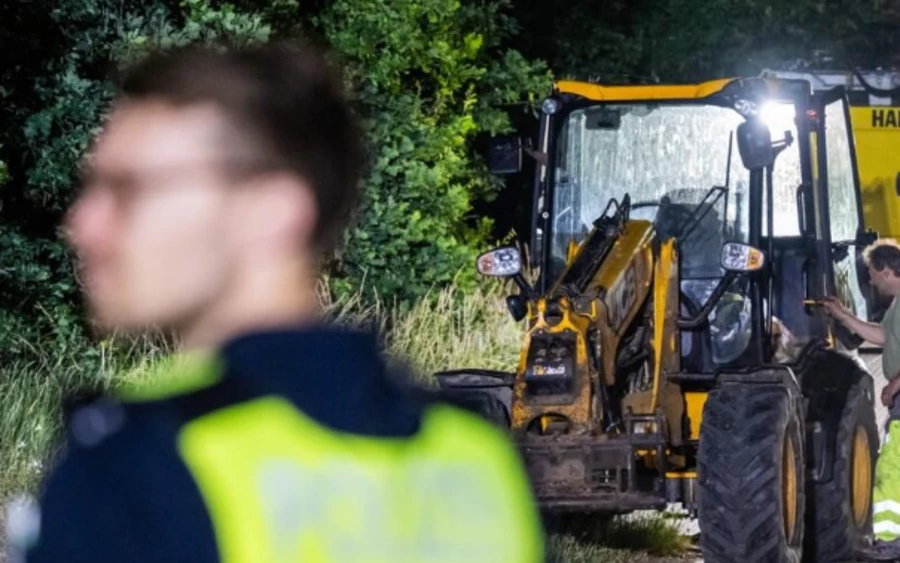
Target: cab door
[[844, 235]]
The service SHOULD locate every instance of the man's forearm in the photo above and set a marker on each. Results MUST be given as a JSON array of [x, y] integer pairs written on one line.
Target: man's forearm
[[872, 332]]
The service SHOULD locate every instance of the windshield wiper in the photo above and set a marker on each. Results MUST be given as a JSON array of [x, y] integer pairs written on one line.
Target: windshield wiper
[[683, 232], [692, 221]]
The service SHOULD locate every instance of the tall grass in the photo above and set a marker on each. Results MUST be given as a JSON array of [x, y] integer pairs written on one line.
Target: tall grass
[[453, 330], [29, 395], [567, 549], [653, 533], [448, 330]]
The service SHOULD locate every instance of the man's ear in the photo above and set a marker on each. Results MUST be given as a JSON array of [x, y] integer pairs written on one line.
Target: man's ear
[[274, 210]]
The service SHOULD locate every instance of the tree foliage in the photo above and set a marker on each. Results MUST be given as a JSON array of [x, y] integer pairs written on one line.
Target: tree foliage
[[430, 75], [54, 98], [427, 76], [688, 40]]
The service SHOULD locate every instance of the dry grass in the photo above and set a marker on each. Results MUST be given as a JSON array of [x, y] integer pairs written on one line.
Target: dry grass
[[455, 331], [653, 534], [448, 330]]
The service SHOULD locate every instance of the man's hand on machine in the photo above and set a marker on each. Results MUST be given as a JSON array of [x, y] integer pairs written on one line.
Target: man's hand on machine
[[889, 392], [833, 307]]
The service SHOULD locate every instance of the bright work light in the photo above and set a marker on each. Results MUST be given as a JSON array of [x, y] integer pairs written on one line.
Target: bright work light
[[779, 117]]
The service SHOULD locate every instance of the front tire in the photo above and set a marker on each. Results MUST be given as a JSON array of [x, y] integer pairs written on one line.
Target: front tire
[[751, 470]]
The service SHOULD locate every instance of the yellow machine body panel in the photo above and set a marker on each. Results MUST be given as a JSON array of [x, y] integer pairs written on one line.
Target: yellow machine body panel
[[695, 401], [614, 296], [666, 350], [877, 133], [599, 92], [625, 279], [579, 411]]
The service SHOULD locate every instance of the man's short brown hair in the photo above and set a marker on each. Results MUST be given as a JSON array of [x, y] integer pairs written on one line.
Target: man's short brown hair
[[287, 107], [884, 253]]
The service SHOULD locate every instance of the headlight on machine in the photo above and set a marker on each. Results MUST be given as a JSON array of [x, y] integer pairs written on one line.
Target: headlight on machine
[[500, 262], [747, 108], [550, 106], [740, 257]]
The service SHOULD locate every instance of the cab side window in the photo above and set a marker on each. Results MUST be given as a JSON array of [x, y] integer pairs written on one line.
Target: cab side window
[[843, 206]]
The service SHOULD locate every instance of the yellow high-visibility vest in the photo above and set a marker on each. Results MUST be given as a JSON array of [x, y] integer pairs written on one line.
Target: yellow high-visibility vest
[[282, 488]]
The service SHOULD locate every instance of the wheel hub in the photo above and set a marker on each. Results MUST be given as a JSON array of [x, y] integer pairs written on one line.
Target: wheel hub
[[789, 488], [861, 475]]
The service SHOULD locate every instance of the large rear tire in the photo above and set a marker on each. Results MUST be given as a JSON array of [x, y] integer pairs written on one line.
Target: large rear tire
[[751, 470], [839, 517]]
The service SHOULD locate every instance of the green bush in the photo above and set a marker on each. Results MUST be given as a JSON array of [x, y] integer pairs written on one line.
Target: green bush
[[54, 95], [427, 76]]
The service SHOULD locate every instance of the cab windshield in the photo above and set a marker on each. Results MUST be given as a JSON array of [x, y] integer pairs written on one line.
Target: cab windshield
[[667, 158], [672, 159]]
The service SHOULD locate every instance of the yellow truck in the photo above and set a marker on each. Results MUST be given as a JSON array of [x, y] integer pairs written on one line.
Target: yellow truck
[[875, 116]]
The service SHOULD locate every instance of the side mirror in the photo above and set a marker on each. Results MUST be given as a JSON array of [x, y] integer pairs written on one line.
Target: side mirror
[[740, 257], [755, 144], [505, 155], [501, 262]]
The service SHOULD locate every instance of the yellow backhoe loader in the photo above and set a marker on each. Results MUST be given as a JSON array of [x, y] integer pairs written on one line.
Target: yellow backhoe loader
[[675, 351]]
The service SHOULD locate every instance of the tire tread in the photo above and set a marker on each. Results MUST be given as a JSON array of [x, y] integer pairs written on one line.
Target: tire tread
[[740, 483]]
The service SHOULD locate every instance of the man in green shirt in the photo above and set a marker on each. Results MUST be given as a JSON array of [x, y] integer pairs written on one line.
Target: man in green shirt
[[883, 261]]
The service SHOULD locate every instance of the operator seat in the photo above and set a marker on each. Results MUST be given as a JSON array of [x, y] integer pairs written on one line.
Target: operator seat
[[700, 250], [700, 272]]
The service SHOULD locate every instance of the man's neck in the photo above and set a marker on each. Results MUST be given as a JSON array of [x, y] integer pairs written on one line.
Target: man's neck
[[279, 297]]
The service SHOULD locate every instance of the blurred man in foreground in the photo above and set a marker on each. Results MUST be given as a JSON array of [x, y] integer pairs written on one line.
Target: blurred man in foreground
[[883, 261], [217, 184]]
